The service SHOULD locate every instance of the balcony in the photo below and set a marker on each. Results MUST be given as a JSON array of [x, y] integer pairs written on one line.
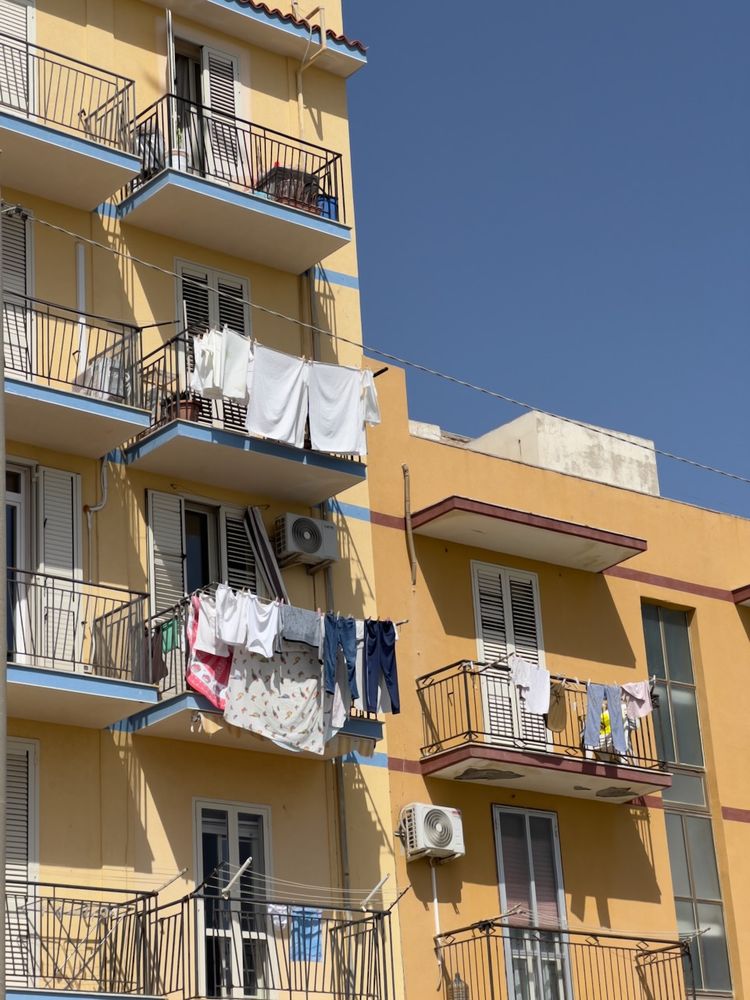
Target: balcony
[[513, 961], [177, 714], [236, 187], [256, 946], [476, 729], [69, 378], [76, 651], [65, 126], [205, 440], [76, 940], [63, 939]]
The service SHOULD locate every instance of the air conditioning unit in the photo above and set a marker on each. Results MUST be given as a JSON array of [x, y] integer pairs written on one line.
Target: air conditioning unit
[[301, 539], [431, 832]]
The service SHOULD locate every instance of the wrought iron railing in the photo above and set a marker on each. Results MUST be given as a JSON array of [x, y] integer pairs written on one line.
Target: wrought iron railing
[[209, 946], [477, 703], [179, 134], [494, 960], [60, 623], [55, 346], [50, 87], [70, 938]]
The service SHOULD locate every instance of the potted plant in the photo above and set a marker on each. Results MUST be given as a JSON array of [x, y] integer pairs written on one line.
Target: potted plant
[[181, 406]]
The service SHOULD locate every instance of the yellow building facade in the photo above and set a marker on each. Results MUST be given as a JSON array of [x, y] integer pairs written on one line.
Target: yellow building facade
[[167, 169]]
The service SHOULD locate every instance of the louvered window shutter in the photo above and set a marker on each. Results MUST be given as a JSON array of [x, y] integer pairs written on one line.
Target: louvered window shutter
[[195, 294], [529, 866], [57, 594], [515, 874], [58, 501], [508, 621], [542, 837], [220, 95], [232, 309], [239, 569], [14, 73], [18, 359], [166, 534], [493, 647], [526, 641], [20, 784]]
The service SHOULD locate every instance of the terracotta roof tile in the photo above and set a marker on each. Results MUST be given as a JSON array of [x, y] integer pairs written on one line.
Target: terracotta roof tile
[[279, 15]]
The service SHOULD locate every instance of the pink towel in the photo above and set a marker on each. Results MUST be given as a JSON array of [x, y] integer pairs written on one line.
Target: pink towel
[[637, 699], [207, 673]]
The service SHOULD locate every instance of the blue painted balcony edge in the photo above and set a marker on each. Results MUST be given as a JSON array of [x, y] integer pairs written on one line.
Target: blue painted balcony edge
[[66, 140], [82, 683]]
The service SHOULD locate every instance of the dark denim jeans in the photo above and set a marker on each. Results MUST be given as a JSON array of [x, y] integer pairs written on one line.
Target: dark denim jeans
[[340, 632]]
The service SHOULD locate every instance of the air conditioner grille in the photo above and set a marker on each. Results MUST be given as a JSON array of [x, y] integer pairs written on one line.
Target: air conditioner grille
[[438, 828], [306, 535]]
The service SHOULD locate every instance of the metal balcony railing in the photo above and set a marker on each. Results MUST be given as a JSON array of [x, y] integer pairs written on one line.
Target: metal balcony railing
[[494, 960], [164, 381], [209, 946], [69, 938], [60, 623], [51, 345], [52, 88], [476, 703], [179, 134]]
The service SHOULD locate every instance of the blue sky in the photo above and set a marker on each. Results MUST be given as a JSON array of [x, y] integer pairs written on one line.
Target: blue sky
[[553, 199]]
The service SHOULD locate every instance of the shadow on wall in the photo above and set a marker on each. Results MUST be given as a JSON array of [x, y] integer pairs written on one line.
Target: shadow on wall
[[580, 620], [370, 830]]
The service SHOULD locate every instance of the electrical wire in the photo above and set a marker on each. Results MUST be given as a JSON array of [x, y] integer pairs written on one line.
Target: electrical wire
[[387, 355]]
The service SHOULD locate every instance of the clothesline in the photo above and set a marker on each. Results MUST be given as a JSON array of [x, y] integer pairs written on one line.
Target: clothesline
[[559, 678], [211, 589]]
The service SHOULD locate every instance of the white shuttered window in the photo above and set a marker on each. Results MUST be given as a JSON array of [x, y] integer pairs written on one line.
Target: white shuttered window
[[21, 810], [508, 620], [15, 21], [166, 537], [168, 550], [219, 82], [16, 279]]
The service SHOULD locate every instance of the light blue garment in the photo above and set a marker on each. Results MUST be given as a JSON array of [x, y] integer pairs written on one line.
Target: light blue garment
[[307, 936], [592, 732]]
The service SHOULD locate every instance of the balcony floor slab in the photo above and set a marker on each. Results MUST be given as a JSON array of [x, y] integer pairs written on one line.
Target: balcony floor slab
[[74, 699], [243, 223], [68, 421], [60, 165], [175, 719], [549, 773], [238, 461]]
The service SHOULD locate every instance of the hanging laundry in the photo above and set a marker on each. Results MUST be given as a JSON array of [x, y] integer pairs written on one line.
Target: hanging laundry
[[380, 662], [383, 706], [342, 401], [208, 355], [557, 716], [278, 392], [300, 625], [207, 674], [207, 638], [235, 364], [637, 698], [262, 619], [533, 684], [279, 699], [597, 693], [340, 632], [306, 934], [231, 615]]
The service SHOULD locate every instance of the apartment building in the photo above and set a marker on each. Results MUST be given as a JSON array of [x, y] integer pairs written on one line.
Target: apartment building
[[583, 871], [168, 169]]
